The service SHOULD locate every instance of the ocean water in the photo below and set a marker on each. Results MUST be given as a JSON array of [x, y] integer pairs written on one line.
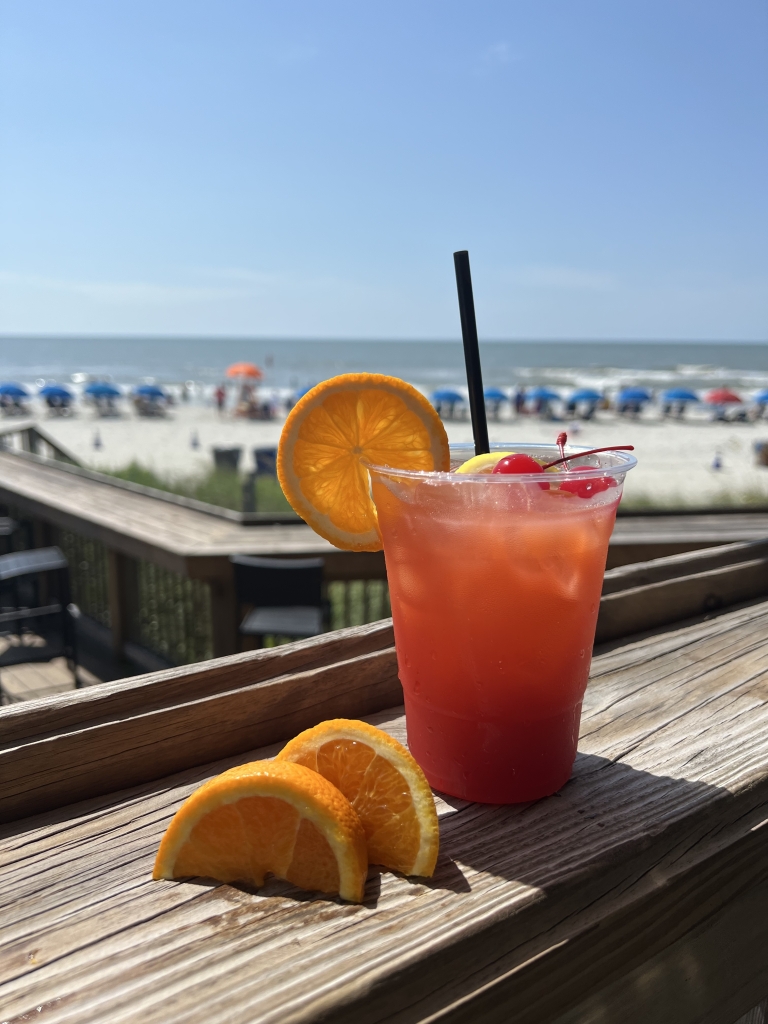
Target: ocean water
[[297, 363]]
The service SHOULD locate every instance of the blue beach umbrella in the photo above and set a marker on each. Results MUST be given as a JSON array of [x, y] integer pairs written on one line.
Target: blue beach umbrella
[[55, 391], [101, 390], [447, 395], [543, 394], [761, 398], [585, 395], [633, 395], [302, 391], [149, 391], [13, 391], [680, 395], [494, 395]]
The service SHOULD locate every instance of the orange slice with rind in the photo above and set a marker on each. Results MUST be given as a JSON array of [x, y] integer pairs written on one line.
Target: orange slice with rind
[[268, 817], [334, 431], [383, 783]]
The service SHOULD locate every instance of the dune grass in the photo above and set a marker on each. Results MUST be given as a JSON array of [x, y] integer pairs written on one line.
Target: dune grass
[[217, 487], [225, 489], [747, 498]]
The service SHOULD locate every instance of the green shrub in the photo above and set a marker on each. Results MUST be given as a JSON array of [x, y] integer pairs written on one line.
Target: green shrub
[[748, 497], [216, 486]]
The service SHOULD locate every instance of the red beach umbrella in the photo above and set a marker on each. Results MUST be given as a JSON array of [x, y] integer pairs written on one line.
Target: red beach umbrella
[[721, 396], [244, 370]]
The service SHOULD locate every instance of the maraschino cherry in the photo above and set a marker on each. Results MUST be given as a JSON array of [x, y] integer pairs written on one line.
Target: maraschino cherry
[[518, 463], [588, 488], [522, 463]]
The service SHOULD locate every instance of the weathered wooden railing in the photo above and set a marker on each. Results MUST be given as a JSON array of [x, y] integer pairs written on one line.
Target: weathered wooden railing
[[153, 569], [637, 895], [646, 595], [166, 614], [27, 436]]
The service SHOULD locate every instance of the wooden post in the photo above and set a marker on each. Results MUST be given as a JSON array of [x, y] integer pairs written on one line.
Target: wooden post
[[123, 598], [42, 533], [223, 617], [34, 441], [218, 573]]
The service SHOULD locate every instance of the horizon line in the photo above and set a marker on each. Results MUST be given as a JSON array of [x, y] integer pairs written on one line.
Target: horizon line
[[324, 339]]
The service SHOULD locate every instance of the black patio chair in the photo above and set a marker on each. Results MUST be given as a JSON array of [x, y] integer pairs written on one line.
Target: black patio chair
[[284, 595], [265, 464], [36, 604], [265, 461], [227, 459]]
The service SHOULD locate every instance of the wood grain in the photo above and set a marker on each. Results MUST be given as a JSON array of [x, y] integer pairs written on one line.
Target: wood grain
[[641, 574], [625, 885], [665, 986], [700, 529], [141, 526], [169, 687], [57, 770], [656, 604], [637, 538]]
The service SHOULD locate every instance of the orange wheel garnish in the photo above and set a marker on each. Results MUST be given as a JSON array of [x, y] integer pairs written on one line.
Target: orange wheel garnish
[[334, 430], [384, 785], [268, 817]]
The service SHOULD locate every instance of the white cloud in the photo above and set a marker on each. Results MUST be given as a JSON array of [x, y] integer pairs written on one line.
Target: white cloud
[[115, 292], [534, 301], [226, 300], [494, 57]]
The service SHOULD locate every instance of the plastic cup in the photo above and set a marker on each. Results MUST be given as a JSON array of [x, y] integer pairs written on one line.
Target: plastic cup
[[495, 585]]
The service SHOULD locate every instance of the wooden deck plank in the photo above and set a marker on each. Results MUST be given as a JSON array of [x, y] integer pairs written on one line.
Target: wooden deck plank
[[141, 526], [722, 527], [638, 538], [28, 682], [54, 769], [543, 908], [170, 687]]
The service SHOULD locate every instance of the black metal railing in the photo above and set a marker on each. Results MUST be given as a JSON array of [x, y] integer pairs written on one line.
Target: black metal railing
[[88, 573], [173, 615]]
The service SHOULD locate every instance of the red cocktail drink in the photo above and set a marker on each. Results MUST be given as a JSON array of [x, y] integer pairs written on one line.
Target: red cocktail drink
[[495, 587]]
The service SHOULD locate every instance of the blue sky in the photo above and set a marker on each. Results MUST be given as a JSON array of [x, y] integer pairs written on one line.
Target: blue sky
[[307, 168]]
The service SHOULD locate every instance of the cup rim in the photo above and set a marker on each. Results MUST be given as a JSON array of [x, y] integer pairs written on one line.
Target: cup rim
[[626, 461]]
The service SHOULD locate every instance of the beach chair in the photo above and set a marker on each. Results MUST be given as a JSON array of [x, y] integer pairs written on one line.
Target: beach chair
[[265, 461], [37, 618], [227, 459], [284, 596], [265, 464]]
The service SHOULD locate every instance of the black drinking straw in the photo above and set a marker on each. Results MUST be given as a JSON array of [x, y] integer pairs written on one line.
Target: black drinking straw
[[471, 352]]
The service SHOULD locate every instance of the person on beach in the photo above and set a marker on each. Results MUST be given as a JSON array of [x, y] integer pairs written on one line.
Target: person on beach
[[220, 395]]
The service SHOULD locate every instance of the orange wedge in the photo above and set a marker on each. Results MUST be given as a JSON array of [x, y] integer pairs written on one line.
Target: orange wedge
[[334, 430], [267, 817], [383, 783]]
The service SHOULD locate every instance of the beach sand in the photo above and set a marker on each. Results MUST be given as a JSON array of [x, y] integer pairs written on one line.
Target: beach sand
[[675, 459]]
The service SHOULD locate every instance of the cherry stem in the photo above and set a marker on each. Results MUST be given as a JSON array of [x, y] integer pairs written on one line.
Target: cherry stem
[[592, 451], [562, 440]]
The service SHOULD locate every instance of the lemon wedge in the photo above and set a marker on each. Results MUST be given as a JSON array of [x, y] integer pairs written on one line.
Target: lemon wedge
[[481, 463]]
